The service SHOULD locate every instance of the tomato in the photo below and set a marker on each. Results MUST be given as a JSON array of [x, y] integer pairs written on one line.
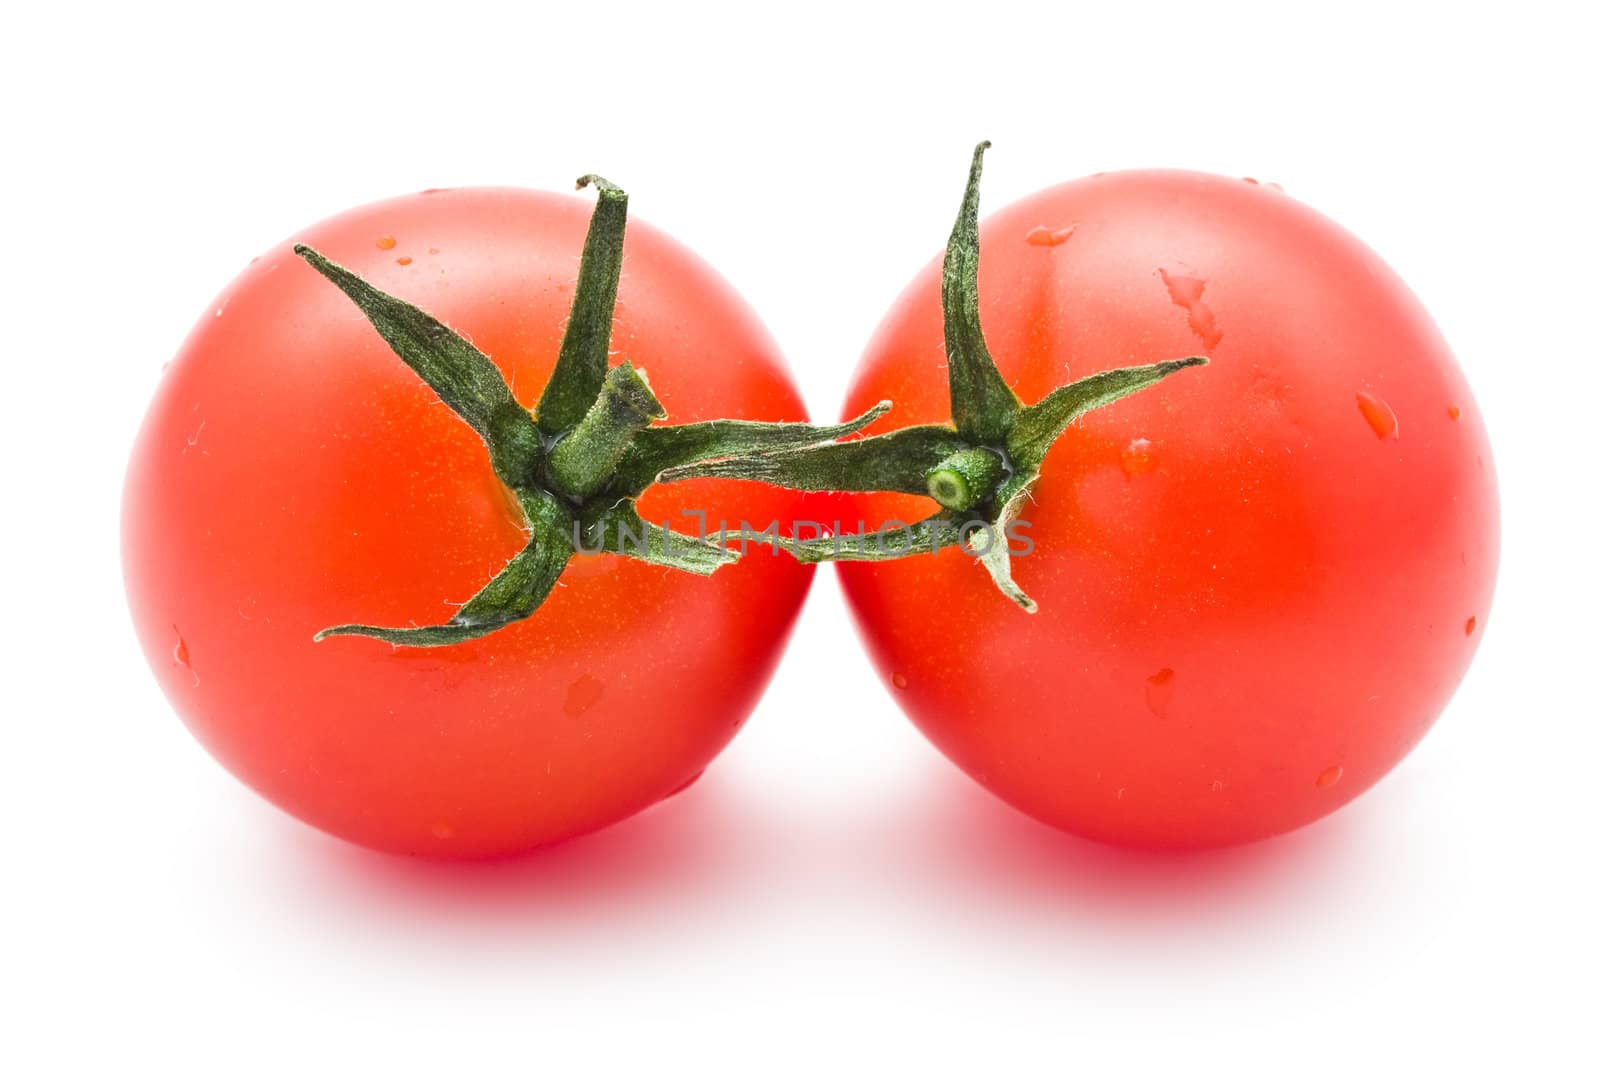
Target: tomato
[[293, 474], [1258, 585]]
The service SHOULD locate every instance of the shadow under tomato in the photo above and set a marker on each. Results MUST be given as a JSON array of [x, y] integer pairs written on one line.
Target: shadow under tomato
[[932, 851], [948, 835], [679, 848]]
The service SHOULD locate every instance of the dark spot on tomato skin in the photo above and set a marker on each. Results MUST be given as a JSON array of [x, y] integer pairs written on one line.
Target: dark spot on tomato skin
[[1158, 692], [583, 695]]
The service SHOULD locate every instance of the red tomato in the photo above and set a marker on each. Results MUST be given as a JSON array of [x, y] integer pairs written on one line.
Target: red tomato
[[1259, 582], [294, 474]]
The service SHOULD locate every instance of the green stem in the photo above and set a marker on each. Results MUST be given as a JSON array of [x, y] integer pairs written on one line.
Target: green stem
[[584, 459], [965, 478]]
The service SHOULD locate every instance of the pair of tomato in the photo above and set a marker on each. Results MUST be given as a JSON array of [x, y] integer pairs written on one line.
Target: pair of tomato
[[1257, 585]]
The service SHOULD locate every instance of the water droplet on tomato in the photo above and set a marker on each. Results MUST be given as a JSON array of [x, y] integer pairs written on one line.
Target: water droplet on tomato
[[180, 656], [1137, 458], [404, 261], [1158, 692], [1379, 416], [1330, 776], [1454, 413], [1186, 292], [1472, 624], [443, 831], [899, 681], [583, 695], [1045, 237], [692, 779], [386, 242], [583, 564]]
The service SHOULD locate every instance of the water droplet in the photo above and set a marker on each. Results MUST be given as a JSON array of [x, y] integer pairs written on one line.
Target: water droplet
[[1158, 692], [1045, 237], [1454, 413], [584, 564], [1186, 293], [1330, 776], [386, 242], [1379, 416], [899, 681], [1472, 624], [692, 779], [583, 695], [404, 261], [1137, 458], [180, 656], [443, 831]]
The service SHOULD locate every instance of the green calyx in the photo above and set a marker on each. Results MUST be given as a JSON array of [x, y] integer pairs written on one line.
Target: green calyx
[[978, 468], [579, 460]]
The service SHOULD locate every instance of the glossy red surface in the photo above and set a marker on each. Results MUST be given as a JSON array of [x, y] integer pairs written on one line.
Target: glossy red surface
[[1259, 582], [292, 473]]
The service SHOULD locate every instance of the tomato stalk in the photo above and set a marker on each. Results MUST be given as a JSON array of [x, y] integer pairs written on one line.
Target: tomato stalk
[[578, 461], [582, 461], [979, 467]]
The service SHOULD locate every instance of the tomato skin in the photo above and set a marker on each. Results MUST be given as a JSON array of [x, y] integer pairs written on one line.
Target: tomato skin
[[292, 474], [1259, 582]]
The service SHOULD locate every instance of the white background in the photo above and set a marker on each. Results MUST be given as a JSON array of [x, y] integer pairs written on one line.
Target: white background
[[831, 890]]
